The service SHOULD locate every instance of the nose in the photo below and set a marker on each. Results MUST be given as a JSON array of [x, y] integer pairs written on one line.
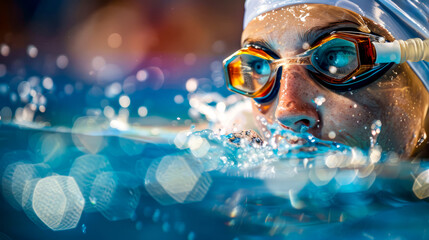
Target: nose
[[295, 109]]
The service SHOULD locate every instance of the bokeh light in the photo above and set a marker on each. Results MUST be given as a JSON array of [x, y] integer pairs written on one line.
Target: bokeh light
[[142, 75], [4, 50], [15, 177], [114, 40], [421, 185], [191, 85], [113, 90], [58, 202], [176, 179], [142, 111], [62, 61], [178, 99], [86, 133], [32, 51], [124, 101]]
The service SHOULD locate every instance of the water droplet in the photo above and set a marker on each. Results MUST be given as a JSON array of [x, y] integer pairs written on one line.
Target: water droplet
[[306, 46], [319, 100], [375, 131], [263, 121], [422, 139], [333, 69], [376, 127]]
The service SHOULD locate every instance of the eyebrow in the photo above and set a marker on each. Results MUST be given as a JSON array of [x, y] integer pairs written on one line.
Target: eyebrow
[[316, 33], [310, 36]]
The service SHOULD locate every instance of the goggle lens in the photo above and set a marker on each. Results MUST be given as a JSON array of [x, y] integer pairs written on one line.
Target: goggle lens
[[249, 72], [337, 58]]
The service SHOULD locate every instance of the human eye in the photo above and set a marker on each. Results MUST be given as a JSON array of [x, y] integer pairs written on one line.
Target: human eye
[[339, 57], [336, 58], [260, 66], [256, 70]]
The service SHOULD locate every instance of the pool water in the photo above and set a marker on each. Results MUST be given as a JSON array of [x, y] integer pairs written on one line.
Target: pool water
[[91, 182]]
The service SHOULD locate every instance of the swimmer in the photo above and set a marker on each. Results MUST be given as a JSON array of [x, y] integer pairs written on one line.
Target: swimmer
[[313, 67]]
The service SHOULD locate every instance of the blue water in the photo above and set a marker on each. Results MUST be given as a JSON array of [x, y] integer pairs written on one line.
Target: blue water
[[141, 188]]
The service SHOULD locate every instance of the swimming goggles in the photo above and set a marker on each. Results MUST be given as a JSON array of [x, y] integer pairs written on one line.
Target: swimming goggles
[[342, 61]]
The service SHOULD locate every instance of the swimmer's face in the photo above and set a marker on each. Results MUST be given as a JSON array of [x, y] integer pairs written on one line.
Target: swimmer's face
[[397, 99]]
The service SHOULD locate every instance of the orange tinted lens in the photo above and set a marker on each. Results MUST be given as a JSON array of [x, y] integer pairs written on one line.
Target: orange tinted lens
[[249, 71]]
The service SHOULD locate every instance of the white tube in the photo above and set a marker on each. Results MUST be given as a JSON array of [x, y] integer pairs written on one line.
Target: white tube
[[387, 52], [414, 50], [399, 51]]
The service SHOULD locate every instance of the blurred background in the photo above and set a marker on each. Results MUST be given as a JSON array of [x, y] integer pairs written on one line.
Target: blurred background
[[138, 59], [134, 63]]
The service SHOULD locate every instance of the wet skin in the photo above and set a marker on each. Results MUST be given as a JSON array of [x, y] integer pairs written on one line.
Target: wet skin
[[398, 99]]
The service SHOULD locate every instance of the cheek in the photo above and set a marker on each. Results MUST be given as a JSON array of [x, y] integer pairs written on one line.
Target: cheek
[[403, 104], [349, 120], [402, 123]]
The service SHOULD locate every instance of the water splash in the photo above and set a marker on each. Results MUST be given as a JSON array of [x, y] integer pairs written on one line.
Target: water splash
[[319, 100], [375, 131]]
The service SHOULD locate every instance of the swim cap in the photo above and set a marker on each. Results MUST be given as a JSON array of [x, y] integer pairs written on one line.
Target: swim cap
[[403, 19]]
